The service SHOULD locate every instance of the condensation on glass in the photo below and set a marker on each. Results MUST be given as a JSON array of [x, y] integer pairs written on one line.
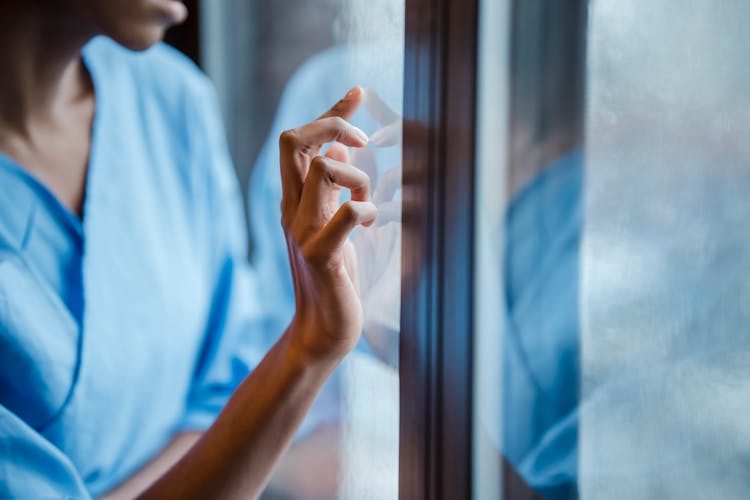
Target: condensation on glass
[[278, 65], [665, 265], [618, 365]]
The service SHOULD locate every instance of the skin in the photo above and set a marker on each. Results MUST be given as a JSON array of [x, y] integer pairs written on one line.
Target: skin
[[47, 104]]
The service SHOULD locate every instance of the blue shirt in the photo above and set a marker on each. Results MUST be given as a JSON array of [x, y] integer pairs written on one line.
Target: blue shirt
[[541, 361], [118, 330]]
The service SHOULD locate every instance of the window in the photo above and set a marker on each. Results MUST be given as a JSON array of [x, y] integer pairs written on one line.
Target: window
[[664, 284], [612, 184], [278, 65], [562, 313]]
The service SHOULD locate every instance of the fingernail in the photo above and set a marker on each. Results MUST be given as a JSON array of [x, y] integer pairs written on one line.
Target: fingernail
[[361, 135], [351, 92], [377, 137]]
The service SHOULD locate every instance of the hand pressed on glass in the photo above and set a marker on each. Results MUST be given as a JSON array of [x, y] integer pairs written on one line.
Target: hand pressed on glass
[[328, 318]]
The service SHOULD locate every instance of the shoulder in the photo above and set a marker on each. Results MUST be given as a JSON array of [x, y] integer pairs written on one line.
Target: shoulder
[[166, 110], [160, 93], [161, 64], [160, 75]]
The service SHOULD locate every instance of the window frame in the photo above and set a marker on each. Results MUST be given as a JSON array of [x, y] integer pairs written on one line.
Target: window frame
[[440, 81]]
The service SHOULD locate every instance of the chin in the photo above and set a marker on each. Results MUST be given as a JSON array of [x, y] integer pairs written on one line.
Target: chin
[[135, 24], [140, 39]]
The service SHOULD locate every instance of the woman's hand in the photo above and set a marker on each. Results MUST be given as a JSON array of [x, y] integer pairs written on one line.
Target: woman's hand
[[328, 319], [235, 456]]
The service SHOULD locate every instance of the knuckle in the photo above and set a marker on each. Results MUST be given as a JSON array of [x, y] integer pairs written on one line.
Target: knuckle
[[339, 122], [289, 138], [312, 254], [319, 166], [349, 211], [365, 180]]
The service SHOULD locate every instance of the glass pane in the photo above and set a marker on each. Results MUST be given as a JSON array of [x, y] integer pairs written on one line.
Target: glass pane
[[664, 267], [621, 250], [278, 65], [527, 242]]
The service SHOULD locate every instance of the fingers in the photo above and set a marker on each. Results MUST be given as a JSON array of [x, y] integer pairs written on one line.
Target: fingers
[[379, 110], [300, 145], [338, 152], [326, 175], [388, 184], [390, 135], [346, 107], [390, 211], [364, 159], [334, 235], [319, 132]]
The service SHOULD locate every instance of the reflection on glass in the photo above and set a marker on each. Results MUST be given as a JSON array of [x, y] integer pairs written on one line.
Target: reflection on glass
[[348, 445], [666, 252], [629, 275], [529, 244]]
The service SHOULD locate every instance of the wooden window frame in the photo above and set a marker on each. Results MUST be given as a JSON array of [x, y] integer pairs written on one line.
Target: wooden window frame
[[440, 73]]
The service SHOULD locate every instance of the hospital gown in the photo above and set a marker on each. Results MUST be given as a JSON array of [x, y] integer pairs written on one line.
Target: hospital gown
[[138, 321]]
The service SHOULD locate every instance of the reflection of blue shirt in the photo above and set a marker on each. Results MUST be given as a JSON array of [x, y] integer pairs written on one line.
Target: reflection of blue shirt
[[118, 331], [541, 355]]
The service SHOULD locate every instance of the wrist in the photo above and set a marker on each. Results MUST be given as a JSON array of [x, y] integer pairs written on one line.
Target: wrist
[[305, 345]]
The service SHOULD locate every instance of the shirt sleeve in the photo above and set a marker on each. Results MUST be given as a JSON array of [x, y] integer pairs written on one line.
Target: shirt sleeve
[[251, 305], [234, 342], [31, 467]]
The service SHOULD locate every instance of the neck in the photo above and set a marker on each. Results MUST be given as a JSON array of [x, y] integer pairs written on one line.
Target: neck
[[42, 69]]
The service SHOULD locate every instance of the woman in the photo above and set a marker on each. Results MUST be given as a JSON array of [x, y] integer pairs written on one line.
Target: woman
[[123, 287]]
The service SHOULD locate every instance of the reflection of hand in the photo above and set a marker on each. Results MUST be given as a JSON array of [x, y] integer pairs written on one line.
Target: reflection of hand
[[328, 318], [379, 248]]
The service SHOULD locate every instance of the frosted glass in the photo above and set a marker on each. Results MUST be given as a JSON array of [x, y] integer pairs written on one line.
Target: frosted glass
[[665, 263], [373, 32]]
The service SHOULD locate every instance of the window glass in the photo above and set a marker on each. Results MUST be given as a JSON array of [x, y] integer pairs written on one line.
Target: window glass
[[278, 65], [528, 232], [619, 241], [665, 251]]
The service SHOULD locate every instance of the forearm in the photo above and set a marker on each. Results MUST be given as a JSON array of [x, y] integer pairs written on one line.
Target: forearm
[[155, 468], [235, 457]]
